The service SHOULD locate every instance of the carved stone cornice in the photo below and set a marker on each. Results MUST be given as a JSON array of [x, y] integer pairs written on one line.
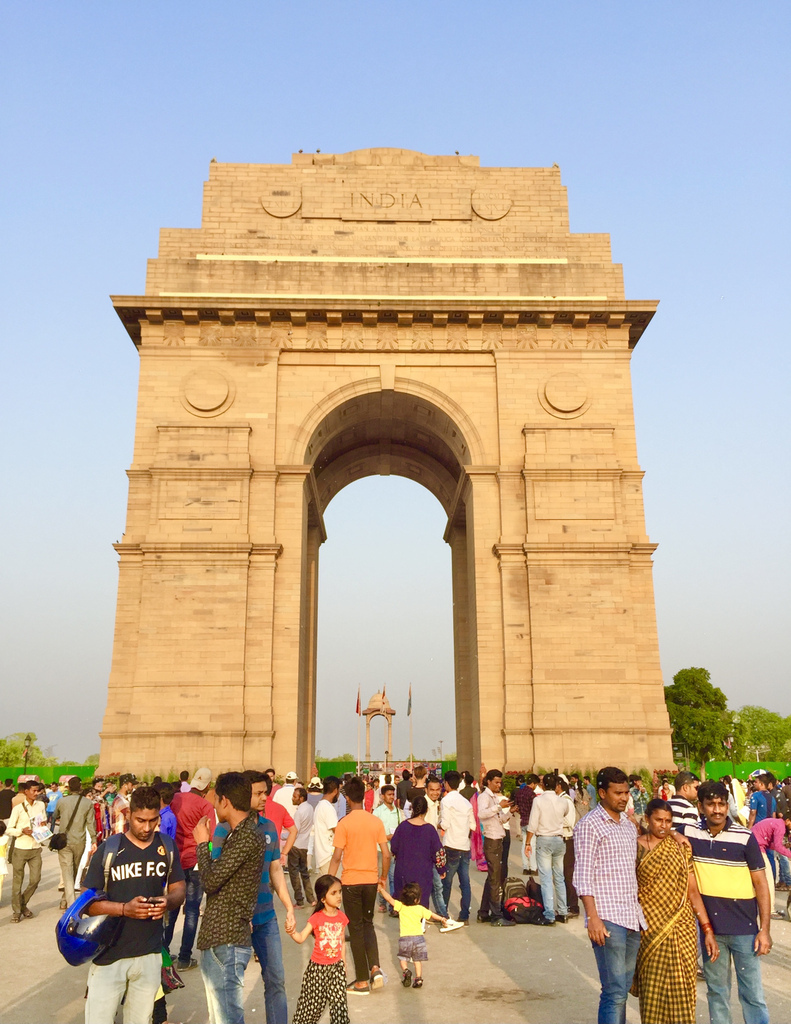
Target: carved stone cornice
[[255, 322]]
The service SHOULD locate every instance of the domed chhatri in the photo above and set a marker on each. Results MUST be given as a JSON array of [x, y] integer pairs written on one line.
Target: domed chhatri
[[378, 705]]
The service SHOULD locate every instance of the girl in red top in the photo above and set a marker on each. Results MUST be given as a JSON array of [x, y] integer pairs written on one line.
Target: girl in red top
[[324, 980]]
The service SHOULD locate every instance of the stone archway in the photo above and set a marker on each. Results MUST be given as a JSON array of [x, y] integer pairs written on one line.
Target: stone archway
[[395, 432], [384, 311]]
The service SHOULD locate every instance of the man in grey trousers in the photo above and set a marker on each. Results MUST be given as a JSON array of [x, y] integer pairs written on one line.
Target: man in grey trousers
[[73, 816]]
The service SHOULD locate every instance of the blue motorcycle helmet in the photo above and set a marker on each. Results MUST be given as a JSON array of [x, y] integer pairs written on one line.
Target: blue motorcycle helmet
[[81, 939]]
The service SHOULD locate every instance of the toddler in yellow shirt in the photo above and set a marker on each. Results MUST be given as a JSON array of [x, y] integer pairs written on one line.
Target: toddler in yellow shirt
[[411, 940]]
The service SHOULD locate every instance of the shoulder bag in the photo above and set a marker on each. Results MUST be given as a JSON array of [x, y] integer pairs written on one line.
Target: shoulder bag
[[59, 840]]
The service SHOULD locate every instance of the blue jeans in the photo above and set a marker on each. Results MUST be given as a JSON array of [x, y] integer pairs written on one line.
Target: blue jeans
[[222, 968], [269, 950], [458, 861], [390, 883], [616, 961], [550, 853], [191, 915], [528, 862], [785, 870], [738, 948], [436, 893]]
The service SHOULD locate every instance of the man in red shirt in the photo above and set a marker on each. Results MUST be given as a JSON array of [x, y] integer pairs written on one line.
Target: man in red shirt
[[282, 821], [189, 808]]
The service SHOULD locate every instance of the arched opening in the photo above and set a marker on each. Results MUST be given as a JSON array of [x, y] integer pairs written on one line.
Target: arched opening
[[381, 434], [385, 619]]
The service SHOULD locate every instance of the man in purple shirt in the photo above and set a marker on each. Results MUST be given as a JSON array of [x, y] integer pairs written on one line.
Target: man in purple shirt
[[770, 834], [605, 850], [524, 794]]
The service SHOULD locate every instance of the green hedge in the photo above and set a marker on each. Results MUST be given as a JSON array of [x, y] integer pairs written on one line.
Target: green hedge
[[50, 772]]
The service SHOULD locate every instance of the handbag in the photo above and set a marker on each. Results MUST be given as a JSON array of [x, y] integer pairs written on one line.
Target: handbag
[[58, 841]]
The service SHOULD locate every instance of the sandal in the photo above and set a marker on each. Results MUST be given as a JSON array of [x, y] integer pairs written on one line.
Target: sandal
[[417, 983], [406, 978]]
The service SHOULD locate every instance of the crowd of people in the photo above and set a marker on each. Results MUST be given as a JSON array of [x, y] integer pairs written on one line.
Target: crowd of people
[[675, 883]]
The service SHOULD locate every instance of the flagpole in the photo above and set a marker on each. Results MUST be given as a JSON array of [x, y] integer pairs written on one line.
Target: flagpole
[[411, 753], [359, 716]]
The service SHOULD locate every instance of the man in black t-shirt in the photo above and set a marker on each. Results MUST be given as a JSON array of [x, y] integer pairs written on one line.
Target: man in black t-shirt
[[403, 787], [6, 796], [145, 880], [419, 788]]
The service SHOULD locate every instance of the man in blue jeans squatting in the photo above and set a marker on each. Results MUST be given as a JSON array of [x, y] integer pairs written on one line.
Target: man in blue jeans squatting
[[266, 933], [728, 867], [605, 851]]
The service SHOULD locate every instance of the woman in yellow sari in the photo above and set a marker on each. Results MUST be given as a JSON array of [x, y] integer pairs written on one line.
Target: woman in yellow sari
[[665, 978]]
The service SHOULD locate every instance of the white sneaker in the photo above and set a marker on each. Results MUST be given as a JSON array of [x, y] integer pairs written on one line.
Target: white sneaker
[[452, 925]]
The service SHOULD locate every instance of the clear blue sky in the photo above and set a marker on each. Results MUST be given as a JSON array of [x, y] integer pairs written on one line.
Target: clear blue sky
[[670, 124]]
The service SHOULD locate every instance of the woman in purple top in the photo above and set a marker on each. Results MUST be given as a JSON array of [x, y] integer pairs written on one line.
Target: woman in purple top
[[417, 850]]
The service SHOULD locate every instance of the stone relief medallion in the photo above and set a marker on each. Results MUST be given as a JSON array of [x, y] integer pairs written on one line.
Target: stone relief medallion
[[564, 395], [173, 332], [491, 205], [282, 202], [207, 393]]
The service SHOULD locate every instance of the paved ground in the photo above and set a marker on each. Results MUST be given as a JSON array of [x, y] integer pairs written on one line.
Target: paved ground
[[521, 975]]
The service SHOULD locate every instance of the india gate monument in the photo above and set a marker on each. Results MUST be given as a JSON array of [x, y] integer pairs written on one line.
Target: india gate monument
[[384, 312]]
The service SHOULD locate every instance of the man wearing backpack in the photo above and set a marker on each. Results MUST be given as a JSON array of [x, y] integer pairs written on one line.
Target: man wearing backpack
[[141, 873]]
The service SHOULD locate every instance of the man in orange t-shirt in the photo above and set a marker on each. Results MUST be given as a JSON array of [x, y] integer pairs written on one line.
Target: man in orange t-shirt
[[356, 840]]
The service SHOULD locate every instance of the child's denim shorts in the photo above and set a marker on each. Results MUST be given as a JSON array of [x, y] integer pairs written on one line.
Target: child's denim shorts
[[412, 947]]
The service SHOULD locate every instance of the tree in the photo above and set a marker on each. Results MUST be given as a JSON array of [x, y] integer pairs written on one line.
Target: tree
[[698, 714], [12, 751], [765, 734]]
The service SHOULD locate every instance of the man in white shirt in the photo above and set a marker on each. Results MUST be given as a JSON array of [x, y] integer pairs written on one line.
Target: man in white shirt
[[456, 822], [433, 797], [547, 817], [28, 814], [302, 814], [391, 817], [285, 794], [493, 811], [325, 821]]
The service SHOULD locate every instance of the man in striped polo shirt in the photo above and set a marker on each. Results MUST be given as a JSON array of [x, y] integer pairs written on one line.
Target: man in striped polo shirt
[[729, 871], [684, 803]]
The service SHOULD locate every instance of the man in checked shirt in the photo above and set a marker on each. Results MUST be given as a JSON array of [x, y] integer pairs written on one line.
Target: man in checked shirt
[[605, 850]]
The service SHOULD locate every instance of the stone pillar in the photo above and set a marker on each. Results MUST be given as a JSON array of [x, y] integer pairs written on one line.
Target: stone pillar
[[124, 663], [486, 612], [308, 641], [289, 713], [258, 689], [466, 690], [518, 657]]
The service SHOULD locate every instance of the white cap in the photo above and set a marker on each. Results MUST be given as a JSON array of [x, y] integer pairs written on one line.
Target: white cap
[[201, 779]]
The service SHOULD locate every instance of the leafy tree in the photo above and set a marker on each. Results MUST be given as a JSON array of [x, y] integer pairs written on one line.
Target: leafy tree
[[92, 759], [763, 732], [698, 714], [12, 751]]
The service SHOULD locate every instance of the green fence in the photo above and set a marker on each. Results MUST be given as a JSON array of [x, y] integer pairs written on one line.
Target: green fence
[[339, 768], [50, 772], [716, 769]]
